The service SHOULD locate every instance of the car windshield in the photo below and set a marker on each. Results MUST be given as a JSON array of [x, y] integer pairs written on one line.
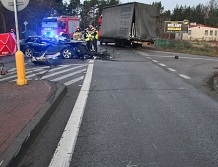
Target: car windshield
[[46, 24]]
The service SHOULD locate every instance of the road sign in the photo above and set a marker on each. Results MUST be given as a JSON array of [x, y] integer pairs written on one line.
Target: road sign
[[25, 23], [9, 4]]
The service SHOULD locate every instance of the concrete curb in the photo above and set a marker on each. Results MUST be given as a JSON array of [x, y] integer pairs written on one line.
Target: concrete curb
[[23, 141]]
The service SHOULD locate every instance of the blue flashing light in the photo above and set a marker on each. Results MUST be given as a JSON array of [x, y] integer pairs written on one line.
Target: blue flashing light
[[52, 34]]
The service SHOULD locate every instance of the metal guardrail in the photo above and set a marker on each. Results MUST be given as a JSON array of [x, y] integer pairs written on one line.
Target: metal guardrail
[[191, 47]]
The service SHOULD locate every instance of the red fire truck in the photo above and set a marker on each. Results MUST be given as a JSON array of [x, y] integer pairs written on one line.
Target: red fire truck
[[99, 25], [52, 26]]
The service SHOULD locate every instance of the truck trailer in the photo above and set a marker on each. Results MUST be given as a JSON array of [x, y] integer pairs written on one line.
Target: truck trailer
[[129, 24]]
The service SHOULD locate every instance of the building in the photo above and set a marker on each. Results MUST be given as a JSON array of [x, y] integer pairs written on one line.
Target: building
[[199, 32]]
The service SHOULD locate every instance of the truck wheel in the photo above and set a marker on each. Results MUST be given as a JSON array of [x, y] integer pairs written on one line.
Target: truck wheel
[[66, 53], [28, 52]]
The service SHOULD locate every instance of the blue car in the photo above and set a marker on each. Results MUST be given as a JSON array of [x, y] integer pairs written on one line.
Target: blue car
[[33, 45]]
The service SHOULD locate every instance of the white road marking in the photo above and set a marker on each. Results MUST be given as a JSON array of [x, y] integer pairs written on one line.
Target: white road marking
[[35, 71], [155, 61], [181, 57], [154, 145], [68, 75], [1, 162], [149, 58], [13, 76], [171, 69], [59, 72], [64, 151], [73, 81], [113, 95], [163, 65], [184, 76], [91, 61]]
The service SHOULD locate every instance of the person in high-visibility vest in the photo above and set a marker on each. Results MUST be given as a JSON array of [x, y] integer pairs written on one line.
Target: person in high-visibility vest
[[95, 38], [77, 35], [87, 37]]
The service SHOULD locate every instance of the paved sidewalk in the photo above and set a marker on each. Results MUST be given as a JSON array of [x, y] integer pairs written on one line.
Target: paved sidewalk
[[23, 112]]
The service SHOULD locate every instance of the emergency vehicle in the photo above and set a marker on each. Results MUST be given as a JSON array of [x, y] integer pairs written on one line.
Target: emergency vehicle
[[52, 26], [99, 25]]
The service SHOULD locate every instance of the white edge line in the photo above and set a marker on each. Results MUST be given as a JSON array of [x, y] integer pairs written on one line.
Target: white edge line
[[65, 148]]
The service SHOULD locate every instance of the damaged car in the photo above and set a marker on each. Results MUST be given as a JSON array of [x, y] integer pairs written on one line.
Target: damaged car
[[33, 45]]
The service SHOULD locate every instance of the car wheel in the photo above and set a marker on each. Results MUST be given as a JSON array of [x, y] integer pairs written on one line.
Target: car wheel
[[67, 53], [28, 52]]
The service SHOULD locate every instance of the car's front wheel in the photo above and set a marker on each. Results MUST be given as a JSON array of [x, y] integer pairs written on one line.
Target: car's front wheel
[[28, 52], [67, 53]]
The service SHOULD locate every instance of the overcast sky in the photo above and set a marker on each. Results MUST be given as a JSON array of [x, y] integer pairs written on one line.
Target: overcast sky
[[169, 4]]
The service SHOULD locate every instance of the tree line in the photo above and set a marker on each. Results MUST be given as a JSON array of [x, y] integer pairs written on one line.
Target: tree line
[[90, 10]]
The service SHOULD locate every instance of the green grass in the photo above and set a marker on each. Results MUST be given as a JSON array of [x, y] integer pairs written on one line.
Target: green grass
[[196, 48]]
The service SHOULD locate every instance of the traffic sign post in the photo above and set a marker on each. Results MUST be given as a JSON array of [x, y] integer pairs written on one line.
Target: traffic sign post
[[16, 23], [18, 5], [25, 23]]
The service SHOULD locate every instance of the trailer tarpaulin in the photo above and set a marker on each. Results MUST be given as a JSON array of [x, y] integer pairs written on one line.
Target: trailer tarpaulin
[[130, 20], [7, 44], [146, 20], [117, 22]]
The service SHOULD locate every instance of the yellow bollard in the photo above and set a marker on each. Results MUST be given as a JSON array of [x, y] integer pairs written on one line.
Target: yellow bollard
[[21, 71]]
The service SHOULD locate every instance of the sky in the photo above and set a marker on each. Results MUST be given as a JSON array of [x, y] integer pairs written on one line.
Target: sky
[[169, 4]]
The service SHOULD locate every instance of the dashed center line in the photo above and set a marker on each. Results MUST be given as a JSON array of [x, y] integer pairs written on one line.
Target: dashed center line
[[184, 76], [163, 65], [171, 69]]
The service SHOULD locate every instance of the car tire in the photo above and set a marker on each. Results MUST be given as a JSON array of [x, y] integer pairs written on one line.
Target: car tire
[[28, 52], [67, 53]]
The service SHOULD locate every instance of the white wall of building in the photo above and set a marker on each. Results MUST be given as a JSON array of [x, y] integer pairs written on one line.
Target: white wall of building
[[199, 33]]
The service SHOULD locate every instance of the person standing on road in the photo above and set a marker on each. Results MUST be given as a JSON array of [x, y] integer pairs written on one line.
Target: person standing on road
[[77, 35], [95, 38], [12, 31], [87, 38]]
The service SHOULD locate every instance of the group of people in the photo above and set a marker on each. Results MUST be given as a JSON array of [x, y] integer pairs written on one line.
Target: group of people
[[90, 36]]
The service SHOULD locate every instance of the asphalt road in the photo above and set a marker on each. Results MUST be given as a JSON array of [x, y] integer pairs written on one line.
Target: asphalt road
[[139, 113]]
